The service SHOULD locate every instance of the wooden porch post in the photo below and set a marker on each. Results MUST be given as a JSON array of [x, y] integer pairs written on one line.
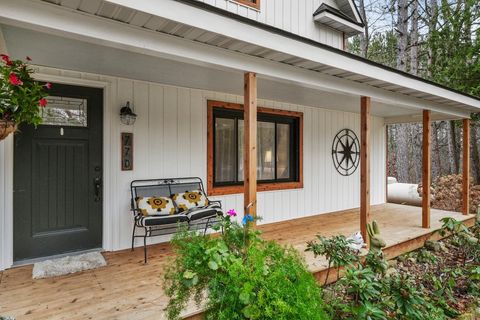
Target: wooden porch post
[[250, 144], [426, 170], [365, 104], [466, 166]]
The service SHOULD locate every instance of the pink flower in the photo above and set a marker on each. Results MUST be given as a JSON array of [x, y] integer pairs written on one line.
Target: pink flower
[[232, 213], [28, 58], [42, 102], [14, 80], [48, 85]]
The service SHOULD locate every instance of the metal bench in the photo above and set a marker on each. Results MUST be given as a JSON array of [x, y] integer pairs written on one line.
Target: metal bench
[[198, 218]]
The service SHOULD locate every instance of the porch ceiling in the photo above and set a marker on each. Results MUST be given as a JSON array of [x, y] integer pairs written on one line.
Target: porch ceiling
[[115, 62], [454, 106]]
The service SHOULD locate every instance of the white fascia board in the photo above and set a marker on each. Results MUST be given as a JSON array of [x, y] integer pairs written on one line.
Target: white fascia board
[[354, 28], [354, 10], [209, 21], [102, 31]]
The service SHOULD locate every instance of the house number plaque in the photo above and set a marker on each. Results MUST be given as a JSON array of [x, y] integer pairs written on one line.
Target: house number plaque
[[127, 151]]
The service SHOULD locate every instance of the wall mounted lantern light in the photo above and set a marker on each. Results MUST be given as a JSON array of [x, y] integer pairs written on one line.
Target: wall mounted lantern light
[[127, 116]]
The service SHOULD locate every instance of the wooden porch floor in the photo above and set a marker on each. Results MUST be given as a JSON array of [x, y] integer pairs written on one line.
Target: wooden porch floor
[[128, 289]]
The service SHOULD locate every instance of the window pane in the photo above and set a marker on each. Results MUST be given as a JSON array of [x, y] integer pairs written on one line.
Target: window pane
[[225, 150], [265, 150], [64, 111], [283, 151]]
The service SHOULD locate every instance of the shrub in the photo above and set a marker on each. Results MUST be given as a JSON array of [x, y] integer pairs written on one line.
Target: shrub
[[240, 276], [336, 249]]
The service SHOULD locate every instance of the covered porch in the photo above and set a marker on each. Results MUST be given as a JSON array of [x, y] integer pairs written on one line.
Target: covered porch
[[129, 289]]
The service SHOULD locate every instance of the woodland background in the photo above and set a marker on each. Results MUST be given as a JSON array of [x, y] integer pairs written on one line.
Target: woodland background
[[437, 40]]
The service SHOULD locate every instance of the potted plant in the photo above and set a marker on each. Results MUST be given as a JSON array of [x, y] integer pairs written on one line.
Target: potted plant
[[21, 97]]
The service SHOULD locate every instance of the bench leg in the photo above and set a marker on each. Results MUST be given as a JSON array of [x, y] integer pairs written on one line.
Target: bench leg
[[145, 246], [133, 236], [207, 224]]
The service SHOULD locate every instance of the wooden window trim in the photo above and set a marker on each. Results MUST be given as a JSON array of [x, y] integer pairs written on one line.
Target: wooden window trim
[[248, 3], [225, 190]]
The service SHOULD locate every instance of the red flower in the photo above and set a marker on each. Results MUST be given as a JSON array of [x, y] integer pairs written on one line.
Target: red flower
[[28, 58], [42, 102], [6, 59], [48, 85], [14, 80]]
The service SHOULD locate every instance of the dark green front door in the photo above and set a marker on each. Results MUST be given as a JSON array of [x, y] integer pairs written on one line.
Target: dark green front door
[[58, 176]]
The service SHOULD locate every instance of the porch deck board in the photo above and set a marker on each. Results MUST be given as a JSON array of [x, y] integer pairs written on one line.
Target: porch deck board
[[128, 289]]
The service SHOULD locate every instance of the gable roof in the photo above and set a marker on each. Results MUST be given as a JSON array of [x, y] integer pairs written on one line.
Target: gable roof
[[345, 18]]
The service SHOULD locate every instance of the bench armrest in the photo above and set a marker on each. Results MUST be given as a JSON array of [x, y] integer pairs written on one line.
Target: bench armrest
[[216, 201]]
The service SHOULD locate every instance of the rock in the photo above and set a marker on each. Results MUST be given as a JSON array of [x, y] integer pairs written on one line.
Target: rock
[[467, 316], [434, 246], [392, 263], [443, 247], [390, 272]]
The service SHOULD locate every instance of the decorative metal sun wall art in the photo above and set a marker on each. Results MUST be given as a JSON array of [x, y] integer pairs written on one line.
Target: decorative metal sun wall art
[[346, 152]]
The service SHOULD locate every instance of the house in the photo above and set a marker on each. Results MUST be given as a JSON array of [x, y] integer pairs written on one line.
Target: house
[[213, 82]]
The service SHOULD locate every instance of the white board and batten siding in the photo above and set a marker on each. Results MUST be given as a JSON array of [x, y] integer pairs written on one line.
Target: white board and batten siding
[[295, 16], [170, 140]]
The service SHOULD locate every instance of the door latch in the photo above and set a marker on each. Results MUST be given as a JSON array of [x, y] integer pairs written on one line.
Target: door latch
[[97, 183]]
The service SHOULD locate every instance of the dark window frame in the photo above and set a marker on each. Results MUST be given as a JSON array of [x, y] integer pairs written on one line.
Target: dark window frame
[[237, 115], [218, 109]]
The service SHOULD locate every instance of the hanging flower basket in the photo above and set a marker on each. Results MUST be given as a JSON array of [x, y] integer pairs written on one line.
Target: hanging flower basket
[[6, 127], [21, 97]]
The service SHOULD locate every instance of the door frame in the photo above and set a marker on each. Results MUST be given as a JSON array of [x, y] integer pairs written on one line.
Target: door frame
[[6, 225]]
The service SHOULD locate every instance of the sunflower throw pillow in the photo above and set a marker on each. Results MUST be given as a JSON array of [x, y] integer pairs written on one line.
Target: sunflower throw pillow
[[155, 206], [190, 199]]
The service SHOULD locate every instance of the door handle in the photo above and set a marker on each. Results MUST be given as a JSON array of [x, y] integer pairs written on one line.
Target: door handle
[[97, 184]]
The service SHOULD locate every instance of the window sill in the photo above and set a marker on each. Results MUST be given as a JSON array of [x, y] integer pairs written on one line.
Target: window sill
[[227, 190]]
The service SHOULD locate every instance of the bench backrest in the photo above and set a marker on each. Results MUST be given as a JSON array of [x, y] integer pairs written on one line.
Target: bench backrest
[[163, 187]]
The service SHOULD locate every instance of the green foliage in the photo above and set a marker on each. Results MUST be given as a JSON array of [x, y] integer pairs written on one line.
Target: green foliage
[[21, 97], [361, 283], [425, 256], [464, 239], [240, 276], [408, 301], [336, 249], [375, 261]]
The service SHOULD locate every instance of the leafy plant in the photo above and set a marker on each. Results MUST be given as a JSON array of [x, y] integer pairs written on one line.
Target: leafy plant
[[361, 283], [467, 243], [336, 249], [240, 276], [21, 97], [376, 262], [425, 256]]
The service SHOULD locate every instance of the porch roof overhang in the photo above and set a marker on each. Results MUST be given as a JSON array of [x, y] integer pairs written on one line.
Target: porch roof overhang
[[192, 32]]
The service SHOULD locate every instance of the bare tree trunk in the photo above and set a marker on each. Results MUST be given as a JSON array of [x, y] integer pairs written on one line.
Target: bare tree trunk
[[432, 25], [402, 29], [475, 155], [364, 37], [417, 138], [402, 153], [414, 39], [436, 160], [453, 151]]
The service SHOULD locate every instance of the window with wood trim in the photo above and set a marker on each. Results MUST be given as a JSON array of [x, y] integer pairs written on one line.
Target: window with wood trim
[[251, 3], [279, 149]]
